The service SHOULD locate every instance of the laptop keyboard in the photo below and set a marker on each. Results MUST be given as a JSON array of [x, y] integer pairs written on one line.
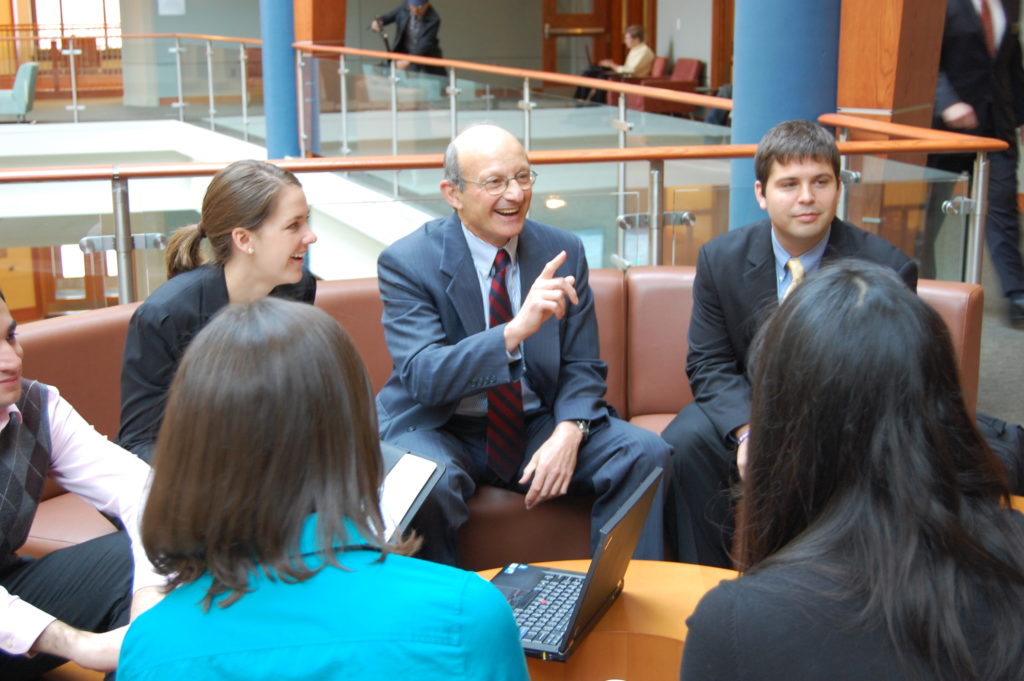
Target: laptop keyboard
[[545, 618]]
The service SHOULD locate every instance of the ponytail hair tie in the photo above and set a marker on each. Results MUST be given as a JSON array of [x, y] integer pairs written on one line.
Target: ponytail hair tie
[[202, 232]]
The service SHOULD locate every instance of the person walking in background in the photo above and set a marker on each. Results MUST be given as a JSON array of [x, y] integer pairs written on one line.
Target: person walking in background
[[980, 91]]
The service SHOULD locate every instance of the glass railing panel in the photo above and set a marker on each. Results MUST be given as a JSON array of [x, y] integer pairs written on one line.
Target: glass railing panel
[[900, 199], [44, 271], [150, 80], [696, 211]]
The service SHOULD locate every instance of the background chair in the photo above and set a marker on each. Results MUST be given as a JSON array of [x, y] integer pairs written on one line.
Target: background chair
[[686, 77], [18, 100]]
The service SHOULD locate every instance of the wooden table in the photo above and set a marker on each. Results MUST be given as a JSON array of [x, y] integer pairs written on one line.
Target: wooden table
[[641, 636]]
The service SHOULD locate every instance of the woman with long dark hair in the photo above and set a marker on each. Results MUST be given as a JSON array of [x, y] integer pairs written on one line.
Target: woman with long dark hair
[[875, 540], [264, 514]]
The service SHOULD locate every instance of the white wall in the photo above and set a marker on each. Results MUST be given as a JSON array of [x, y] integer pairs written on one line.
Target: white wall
[[684, 30]]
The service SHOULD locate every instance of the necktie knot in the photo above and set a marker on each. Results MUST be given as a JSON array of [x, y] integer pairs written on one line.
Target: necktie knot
[[501, 261]]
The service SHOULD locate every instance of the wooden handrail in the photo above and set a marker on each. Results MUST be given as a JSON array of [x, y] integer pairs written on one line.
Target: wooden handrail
[[539, 76], [899, 130], [426, 161], [195, 36]]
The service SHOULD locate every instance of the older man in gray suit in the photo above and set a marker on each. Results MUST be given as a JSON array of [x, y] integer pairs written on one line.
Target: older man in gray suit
[[490, 321]]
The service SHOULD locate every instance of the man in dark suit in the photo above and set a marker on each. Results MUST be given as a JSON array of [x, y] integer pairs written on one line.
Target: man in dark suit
[[490, 322], [980, 90], [741, 277], [416, 30]]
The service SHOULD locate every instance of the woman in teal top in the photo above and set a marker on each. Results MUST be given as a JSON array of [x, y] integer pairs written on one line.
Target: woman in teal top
[[264, 514]]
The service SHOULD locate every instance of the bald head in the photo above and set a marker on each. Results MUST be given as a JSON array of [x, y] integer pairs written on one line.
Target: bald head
[[479, 154]]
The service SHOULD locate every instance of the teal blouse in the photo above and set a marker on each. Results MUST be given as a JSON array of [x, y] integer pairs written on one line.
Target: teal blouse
[[400, 618]]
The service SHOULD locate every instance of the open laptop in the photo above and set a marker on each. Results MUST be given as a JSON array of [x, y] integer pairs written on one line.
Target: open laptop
[[556, 608]]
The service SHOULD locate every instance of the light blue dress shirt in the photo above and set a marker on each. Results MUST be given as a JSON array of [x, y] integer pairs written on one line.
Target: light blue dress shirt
[[811, 260]]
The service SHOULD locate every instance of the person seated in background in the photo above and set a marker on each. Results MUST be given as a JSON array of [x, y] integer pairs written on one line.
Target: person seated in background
[[875, 538], [417, 24], [256, 222], [265, 516], [741, 275], [74, 603], [490, 320], [639, 61]]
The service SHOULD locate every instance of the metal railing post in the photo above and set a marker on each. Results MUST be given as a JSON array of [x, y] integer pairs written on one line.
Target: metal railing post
[[453, 93], [656, 209], [243, 68], [209, 83], [976, 225], [394, 125], [342, 72], [620, 173], [300, 93], [70, 53], [844, 164], [527, 107], [126, 285], [180, 104]]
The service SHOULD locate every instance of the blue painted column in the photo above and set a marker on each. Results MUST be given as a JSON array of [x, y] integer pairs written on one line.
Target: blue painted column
[[277, 29], [785, 66]]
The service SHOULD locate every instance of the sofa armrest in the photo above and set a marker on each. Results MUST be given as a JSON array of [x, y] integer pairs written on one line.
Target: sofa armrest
[[961, 306]]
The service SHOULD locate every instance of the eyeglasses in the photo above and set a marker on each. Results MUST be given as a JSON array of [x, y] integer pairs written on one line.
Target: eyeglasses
[[496, 186]]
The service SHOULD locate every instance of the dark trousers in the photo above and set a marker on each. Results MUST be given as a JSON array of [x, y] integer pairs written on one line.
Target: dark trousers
[[1002, 222], [593, 94], [88, 586], [610, 465], [699, 505]]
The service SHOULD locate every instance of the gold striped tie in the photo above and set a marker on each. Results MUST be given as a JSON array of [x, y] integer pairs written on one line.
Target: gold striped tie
[[796, 270]]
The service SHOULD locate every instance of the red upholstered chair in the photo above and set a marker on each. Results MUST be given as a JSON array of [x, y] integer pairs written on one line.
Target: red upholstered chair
[[658, 70], [686, 77]]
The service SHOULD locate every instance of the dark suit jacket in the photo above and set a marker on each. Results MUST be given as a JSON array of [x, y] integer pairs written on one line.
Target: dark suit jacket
[[434, 324], [158, 334], [734, 290], [967, 73], [426, 44]]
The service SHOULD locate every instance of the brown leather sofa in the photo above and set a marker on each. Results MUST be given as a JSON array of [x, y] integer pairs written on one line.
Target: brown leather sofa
[[643, 316]]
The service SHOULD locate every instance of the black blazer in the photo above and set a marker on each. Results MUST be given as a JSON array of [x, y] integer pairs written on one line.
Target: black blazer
[[734, 290], [158, 334], [427, 44], [967, 73]]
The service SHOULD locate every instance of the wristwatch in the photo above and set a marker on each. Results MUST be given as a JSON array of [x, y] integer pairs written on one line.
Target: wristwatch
[[584, 427]]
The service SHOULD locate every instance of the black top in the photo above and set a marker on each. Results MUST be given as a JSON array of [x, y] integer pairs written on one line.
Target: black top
[[420, 40], [158, 334], [783, 624]]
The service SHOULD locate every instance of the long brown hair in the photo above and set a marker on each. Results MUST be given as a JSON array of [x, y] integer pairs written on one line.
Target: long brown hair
[[270, 419], [241, 195]]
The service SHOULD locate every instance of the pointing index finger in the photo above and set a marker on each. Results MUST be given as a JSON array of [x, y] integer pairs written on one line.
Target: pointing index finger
[[549, 270]]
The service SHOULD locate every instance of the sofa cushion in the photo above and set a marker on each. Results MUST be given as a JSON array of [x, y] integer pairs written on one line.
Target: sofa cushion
[[658, 305], [609, 289], [80, 354]]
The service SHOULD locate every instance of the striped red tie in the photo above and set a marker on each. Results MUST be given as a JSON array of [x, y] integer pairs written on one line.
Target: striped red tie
[[505, 423]]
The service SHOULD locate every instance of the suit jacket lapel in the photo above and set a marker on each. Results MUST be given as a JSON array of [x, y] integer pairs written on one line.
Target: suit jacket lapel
[[759, 275], [463, 287]]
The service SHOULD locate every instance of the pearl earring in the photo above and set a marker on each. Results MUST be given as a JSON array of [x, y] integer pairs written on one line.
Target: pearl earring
[[251, 250]]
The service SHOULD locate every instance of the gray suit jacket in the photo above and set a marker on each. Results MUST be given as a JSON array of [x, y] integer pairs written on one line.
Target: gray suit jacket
[[734, 290], [434, 325]]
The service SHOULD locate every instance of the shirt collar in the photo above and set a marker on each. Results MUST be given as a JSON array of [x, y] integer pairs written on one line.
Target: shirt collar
[[811, 259], [11, 413], [483, 253]]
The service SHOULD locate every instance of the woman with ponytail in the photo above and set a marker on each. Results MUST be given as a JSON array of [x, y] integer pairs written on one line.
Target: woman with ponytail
[[250, 242]]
